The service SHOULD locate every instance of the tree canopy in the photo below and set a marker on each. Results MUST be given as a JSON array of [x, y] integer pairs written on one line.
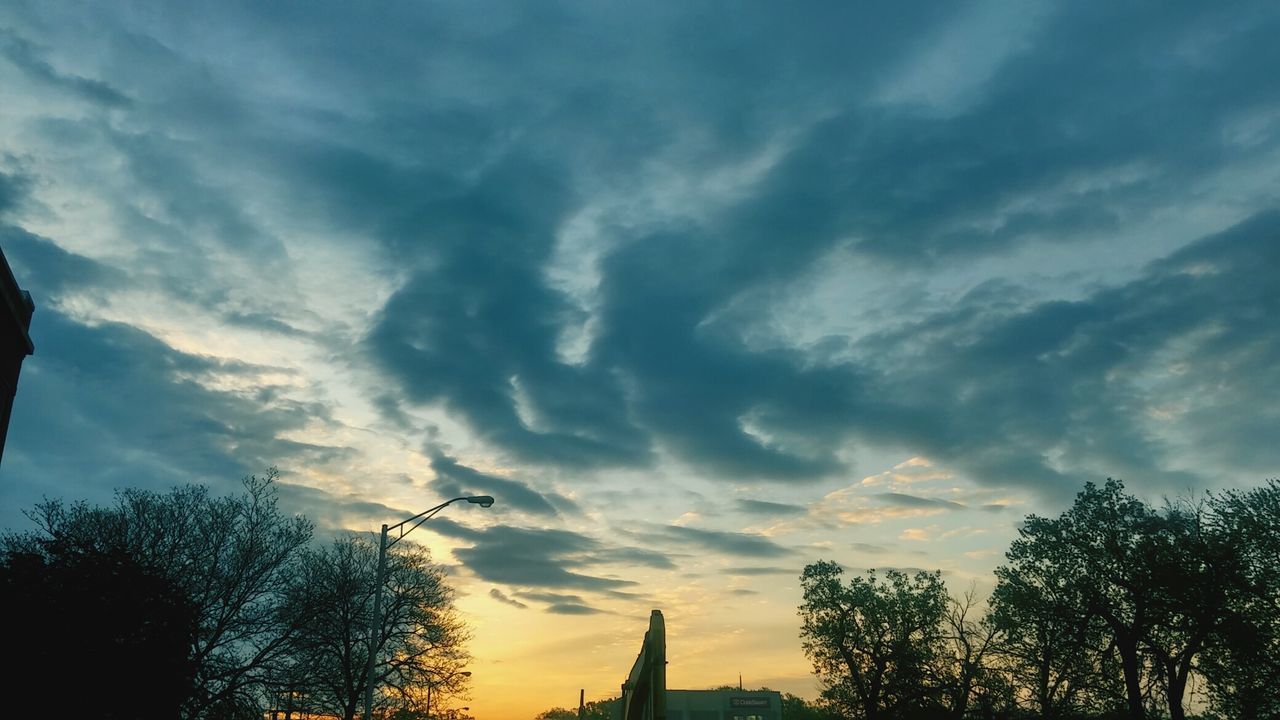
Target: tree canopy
[[1112, 609], [208, 607]]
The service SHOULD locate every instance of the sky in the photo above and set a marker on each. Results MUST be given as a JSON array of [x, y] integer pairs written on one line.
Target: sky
[[700, 292]]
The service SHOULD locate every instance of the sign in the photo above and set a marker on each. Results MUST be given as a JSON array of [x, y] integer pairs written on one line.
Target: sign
[[749, 702]]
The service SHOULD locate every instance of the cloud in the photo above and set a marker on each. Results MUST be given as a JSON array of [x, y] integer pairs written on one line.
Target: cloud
[[50, 272], [15, 187], [334, 512], [501, 597], [536, 558], [916, 534], [715, 541], [579, 299], [454, 479], [755, 571], [911, 501], [26, 57], [768, 509], [1045, 393], [141, 414], [552, 598], [571, 609], [868, 548]]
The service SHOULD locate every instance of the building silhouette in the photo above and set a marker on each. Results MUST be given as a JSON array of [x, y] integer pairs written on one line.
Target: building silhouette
[[15, 341]]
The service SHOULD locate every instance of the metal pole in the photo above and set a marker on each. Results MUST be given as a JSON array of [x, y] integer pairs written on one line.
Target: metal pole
[[375, 624]]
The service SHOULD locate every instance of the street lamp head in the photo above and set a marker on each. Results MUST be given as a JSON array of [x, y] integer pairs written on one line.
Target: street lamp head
[[481, 500]]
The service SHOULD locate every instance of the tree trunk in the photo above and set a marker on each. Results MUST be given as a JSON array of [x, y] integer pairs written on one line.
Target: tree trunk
[[1132, 681], [1177, 687], [1042, 686], [961, 703]]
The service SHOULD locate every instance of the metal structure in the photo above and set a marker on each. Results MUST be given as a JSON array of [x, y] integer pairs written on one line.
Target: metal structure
[[644, 694], [375, 620], [15, 342]]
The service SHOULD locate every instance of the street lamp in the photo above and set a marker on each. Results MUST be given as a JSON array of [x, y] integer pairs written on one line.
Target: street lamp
[[430, 685], [384, 543]]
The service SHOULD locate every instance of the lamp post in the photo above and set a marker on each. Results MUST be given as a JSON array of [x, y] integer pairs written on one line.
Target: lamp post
[[430, 685], [385, 542]]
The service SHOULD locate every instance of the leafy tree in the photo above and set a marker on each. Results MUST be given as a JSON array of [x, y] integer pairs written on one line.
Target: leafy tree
[[1243, 662], [1096, 558], [1193, 565], [872, 642], [963, 670], [795, 707], [593, 710], [1163, 588], [1049, 645], [230, 557], [420, 639], [127, 628]]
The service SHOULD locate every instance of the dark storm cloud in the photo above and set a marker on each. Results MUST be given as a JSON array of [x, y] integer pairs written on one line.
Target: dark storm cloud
[[14, 188], [48, 271], [460, 179], [262, 321], [478, 330], [638, 556], [917, 187], [769, 509], [336, 513], [29, 60], [911, 501], [535, 558], [455, 480], [693, 540], [912, 188], [1090, 379], [136, 415]]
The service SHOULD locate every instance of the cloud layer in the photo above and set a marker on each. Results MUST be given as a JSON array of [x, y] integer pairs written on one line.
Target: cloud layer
[[699, 293]]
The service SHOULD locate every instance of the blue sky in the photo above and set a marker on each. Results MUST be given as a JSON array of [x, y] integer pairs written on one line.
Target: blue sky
[[700, 292]]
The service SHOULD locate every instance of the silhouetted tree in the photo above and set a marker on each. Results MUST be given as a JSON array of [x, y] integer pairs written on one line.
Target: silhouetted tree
[[1096, 559], [963, 670], [421, 640], [593, 710], [1193, 566], [795, 707], [230, 557], [94, 633], [873, 642], [1242, 663], [1050, 645]]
